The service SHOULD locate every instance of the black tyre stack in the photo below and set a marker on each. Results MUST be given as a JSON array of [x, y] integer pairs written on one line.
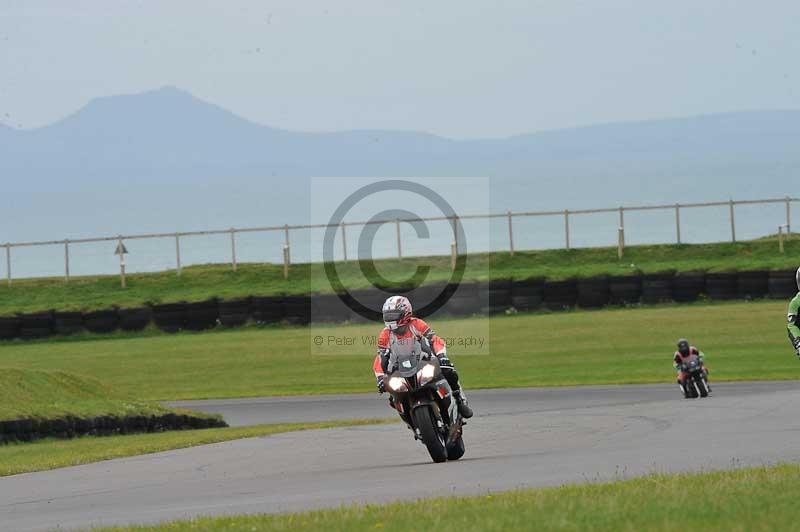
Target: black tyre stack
[[782, 284], [202, 315], [560, 295], [527, 294], [594, 292], [101, 321], [170, 317], [35, 325], [267, 309], [465, 300], [495, 296], [752, 284], [297, 309], [657, 287], [328, 308], [134, 319], [234, 312], [688, 286], [722, 285], [66, 323], [9, 327], [625, 289]]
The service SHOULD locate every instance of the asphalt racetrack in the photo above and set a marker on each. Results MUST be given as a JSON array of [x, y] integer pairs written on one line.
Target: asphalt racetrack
[[518, 438]]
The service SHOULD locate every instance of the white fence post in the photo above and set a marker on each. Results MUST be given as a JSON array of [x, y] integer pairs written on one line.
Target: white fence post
[[121, 248], [8, 263], [733, 222], [620, 242], [66, 260], [285, 261], [622, 226], [453, 255], [455, 231], [233, 248], [344, 242], [678, 222], [288, 250], [399, 245], [788, 215], [566, 228], [178, 253], [510, 235]]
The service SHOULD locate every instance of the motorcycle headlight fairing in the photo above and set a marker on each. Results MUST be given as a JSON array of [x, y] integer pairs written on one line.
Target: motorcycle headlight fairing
[[397, 384], [426, 373]]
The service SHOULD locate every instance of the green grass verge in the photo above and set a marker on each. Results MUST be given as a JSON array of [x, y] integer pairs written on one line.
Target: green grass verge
[[752, 499], [26, 393], [50, 454], [201, 282], [743, 341]]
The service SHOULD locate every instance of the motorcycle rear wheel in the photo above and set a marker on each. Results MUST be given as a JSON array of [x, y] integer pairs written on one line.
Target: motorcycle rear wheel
[[424, 421]]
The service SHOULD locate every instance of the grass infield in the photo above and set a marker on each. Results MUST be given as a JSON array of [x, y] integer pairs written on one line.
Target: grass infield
[[753, 499], [742, 341]]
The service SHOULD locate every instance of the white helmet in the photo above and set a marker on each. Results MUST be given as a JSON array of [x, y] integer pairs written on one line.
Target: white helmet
[[797, 278], [396, 312]]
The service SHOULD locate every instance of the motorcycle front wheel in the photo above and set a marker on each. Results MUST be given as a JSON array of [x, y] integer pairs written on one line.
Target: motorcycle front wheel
[[456, 450], [425, 422]]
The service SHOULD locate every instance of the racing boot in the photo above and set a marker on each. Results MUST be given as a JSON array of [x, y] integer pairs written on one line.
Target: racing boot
[[461, 403]]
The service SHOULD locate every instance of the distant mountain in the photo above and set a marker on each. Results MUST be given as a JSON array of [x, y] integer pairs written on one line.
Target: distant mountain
[[173, 160]]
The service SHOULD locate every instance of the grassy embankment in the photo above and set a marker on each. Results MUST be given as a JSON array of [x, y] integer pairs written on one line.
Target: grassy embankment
[[201, 282], [743, 341], [753, 499]]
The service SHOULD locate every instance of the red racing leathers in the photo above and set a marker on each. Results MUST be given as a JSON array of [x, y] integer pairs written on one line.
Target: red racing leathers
[[678, 358]]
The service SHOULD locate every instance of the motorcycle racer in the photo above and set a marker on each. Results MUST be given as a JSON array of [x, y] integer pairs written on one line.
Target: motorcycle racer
[[686, 350], [794, 317], [400, 326]]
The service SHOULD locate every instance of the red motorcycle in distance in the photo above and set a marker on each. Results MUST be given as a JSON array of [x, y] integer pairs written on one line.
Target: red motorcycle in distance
[[695, 381]]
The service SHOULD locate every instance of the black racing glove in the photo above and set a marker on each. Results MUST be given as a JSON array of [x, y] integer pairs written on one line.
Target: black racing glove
[[444, 362], [381, 383]]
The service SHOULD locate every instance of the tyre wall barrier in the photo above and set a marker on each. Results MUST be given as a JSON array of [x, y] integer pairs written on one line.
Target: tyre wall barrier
[[134, 319], [29, 429], [267, 309], [752, 284], [235, 312], [559, 295], [101, 321], [657, 287], [722, 285], [465, 299], [66, 323], [781, 284], [297, 309], [329, 308], [36, 325], [624, 289], [201, 315], [527, 294], [687, 286], [169, 317], [593, 292], [9, 327], [495, 296]]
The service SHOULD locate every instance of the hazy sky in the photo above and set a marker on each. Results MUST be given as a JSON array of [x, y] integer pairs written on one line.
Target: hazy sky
[[458, 68]]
